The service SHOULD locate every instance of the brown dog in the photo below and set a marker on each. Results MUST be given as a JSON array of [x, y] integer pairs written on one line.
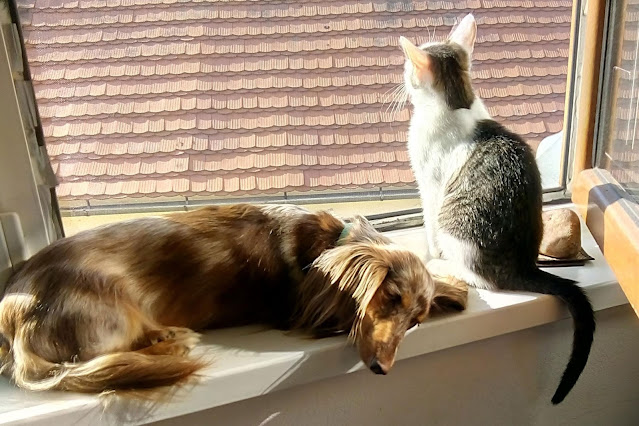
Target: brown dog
[[114, 307]]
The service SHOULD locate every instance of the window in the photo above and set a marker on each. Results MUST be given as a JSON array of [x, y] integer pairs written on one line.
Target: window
[[607, 189], [153, 106], [132, 122], [618, 143]]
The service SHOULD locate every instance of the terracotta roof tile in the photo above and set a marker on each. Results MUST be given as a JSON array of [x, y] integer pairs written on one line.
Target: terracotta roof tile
[[162, 186]]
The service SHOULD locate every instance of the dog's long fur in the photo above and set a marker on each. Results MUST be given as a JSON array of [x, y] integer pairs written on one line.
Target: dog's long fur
[[114, 307]]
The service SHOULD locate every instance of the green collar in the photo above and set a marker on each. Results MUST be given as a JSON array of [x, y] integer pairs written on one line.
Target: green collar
[[344, 234]]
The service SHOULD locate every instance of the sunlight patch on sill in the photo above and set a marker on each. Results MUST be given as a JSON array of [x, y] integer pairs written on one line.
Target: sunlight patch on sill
[[499, 300]]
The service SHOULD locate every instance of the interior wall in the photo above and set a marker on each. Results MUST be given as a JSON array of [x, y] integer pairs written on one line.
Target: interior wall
[[506, 380]]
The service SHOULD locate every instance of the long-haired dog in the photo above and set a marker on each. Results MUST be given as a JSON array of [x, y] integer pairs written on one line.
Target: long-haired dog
[[115, 307]]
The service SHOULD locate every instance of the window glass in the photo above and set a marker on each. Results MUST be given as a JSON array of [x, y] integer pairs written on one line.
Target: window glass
[[618, 145], [149, 105]]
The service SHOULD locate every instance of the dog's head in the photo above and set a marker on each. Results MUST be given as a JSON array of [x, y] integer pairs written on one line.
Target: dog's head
[[376, 292], [404, 298]]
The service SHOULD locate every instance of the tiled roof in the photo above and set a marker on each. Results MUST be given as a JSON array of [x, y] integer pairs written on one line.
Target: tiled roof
[[185, 97]]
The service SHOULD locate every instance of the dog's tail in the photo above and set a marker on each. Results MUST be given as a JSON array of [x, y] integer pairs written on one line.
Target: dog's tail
[[115, 371], [583, 317]]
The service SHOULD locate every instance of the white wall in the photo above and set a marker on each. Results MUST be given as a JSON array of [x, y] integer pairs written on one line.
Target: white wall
[[507, 380]]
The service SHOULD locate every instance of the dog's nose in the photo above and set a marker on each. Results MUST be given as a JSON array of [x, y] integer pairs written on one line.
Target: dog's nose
[[377, 368]]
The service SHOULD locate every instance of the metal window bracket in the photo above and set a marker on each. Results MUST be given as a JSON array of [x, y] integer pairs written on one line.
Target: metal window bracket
[[12, 246]]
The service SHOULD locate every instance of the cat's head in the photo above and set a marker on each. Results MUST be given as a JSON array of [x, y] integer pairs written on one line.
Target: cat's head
[[439, 72]]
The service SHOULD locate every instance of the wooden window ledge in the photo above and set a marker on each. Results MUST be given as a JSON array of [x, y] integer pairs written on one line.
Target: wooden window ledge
[[613, 219]]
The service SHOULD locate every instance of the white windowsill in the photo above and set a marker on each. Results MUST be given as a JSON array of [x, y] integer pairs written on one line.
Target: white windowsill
[[249, 362]]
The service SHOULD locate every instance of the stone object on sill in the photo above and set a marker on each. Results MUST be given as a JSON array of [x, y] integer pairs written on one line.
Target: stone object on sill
[[561, 242], [562, 234]]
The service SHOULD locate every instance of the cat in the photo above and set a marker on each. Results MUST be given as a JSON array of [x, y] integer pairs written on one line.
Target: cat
[[480, 188]]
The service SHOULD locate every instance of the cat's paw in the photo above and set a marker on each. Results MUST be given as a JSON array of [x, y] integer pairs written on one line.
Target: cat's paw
[[438, 268]]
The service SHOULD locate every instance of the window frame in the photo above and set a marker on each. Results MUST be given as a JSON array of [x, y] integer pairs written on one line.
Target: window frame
[[608, 209], [29, 214]]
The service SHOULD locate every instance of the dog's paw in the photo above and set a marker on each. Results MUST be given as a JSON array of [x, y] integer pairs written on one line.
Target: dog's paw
[[190, 341], [180, 348], [179, 335]]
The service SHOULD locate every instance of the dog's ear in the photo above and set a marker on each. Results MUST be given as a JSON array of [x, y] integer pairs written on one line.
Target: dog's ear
[[450, 295], [340, 284]]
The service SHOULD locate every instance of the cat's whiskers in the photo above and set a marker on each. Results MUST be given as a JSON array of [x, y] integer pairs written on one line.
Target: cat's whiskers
[[391, 104], [389, 96], [432, 36], [399, 102], [395, 104], [392, 99]]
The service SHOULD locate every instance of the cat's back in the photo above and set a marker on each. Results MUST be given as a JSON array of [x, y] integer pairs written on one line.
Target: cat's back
[[503, 156], [487, 130], [497, 194]]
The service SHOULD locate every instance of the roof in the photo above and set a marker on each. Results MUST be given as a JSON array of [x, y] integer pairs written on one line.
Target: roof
[[148, 98]]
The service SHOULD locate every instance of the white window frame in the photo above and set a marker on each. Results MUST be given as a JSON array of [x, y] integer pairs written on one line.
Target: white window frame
[[29, 218]]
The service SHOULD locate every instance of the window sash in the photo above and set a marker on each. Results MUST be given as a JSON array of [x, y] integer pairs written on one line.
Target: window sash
[[28, 207]]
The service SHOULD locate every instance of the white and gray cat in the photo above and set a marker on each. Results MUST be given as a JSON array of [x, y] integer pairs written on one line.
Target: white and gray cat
[[480, 188]]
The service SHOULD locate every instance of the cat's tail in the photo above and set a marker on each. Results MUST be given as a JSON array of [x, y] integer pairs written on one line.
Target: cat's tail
[[583, 317]]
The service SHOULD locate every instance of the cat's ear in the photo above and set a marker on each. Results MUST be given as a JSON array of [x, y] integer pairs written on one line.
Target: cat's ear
[[420, 60], [464, 33]]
